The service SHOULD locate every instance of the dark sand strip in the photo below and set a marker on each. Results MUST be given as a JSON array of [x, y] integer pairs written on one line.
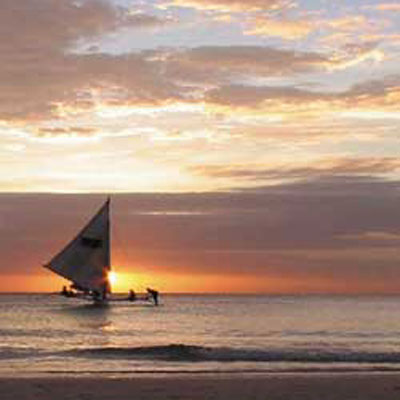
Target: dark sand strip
[[188, 387]]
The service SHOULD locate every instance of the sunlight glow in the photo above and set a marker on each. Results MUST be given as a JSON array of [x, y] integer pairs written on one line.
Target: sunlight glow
[[112, 277]]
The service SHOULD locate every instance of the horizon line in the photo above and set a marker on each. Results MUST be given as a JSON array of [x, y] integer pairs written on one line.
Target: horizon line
[[351, 294]]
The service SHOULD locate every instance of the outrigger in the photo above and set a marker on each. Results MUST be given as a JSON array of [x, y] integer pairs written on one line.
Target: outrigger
[[86, 262]]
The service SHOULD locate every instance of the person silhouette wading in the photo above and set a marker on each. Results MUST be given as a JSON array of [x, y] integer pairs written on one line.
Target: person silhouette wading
[[154, 295], [132, 295]]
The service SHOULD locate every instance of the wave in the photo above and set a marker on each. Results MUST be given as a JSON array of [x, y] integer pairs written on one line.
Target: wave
[[11, 352], [190, 353]]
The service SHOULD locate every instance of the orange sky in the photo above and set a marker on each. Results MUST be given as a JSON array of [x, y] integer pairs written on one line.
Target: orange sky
[[316, 237], [171, 283]]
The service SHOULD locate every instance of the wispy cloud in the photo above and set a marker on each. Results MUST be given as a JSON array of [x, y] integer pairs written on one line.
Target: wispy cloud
[[283, 28], [370, 97], [316, 168], [233, 5], [222, 63], [386, 7], [373, 236]]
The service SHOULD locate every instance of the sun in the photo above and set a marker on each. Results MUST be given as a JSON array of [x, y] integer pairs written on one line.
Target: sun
[[112, 277]]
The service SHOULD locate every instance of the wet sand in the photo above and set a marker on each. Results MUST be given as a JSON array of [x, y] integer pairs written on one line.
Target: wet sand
[[338, 386]]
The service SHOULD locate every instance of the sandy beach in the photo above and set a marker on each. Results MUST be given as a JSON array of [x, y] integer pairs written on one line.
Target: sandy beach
[[382, 386]]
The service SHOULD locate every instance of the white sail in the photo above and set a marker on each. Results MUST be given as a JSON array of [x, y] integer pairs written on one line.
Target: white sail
[[86, 259]]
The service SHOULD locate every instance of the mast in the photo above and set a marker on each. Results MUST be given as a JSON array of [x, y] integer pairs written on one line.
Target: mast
[[108, 229], [107, 267]]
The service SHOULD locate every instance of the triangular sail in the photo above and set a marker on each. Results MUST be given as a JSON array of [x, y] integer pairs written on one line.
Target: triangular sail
[[86, 259]]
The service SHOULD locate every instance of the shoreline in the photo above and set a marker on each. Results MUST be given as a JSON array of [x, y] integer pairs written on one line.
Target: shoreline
[[261, 386], [125, 374]]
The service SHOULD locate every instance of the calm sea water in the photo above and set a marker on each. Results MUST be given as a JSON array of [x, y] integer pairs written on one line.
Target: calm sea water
[[50, 334]]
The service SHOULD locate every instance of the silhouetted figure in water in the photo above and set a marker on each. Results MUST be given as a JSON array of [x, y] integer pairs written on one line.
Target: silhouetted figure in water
[[132, 295], [67, 293], [154, 294]]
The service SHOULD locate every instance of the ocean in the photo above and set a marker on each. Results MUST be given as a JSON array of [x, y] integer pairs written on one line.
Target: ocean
[[49, 334]]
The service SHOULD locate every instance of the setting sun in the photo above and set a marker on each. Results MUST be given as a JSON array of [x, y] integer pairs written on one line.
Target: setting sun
[[112, 277]]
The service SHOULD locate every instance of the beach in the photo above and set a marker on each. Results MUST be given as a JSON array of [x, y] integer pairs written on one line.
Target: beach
[[277, 386]]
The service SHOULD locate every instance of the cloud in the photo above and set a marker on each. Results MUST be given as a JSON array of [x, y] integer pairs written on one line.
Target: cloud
[[255, 96], [54, 84], [351, 23], [221, 63], [364, 100], [286, 19], [356, 28], [373, 236], [141, 20], [260, 18], [283, 28], [39, 71], [384, 37], [210, 65], [61, 84], [352, 54], [387, 7], [47, 77], [315, 169], [233, 5], [49, 25], [53, 132]]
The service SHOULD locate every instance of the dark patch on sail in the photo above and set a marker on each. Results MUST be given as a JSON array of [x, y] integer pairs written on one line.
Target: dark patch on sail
[[90, 242]]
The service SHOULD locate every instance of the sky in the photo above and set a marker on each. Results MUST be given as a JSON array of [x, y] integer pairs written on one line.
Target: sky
[[249, 145]]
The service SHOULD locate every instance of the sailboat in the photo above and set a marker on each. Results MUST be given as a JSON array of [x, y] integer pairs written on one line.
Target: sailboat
[[86, 261]]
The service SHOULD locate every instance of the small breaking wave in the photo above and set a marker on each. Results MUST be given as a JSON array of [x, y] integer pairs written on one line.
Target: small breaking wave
[[192, 353], [10, 352]]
